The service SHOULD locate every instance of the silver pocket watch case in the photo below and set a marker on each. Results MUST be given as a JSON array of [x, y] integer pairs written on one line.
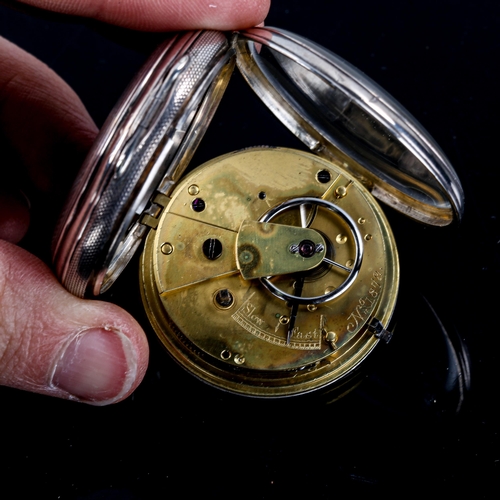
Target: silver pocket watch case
[[267, 272]]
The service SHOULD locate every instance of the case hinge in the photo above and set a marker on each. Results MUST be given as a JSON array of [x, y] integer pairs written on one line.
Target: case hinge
[[151, 215]]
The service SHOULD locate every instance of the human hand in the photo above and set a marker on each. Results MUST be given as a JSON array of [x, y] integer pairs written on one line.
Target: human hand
[[50, 341]]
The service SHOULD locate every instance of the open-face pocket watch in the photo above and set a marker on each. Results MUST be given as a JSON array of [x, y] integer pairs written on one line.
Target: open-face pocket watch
[[266, 272]]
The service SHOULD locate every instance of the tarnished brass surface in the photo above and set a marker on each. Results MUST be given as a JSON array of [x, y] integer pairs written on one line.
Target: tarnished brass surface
[[266, 249], [232, 332]]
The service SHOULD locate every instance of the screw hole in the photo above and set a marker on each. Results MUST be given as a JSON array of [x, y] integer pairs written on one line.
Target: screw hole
[[224, 298], [225, 354], [324, 176], [198, 205], [212, 248]]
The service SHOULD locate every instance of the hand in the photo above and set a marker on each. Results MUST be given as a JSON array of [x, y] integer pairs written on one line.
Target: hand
[[50, 341]]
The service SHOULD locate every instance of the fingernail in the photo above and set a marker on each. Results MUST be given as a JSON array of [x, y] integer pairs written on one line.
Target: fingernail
[[97, 366]]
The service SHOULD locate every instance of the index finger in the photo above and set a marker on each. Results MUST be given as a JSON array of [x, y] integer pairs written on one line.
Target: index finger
[[164, 15]]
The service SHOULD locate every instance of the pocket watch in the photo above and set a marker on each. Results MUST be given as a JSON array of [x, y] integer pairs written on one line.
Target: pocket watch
[[266, 272]]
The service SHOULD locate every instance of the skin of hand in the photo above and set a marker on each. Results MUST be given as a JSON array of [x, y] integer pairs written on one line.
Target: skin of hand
[[50, 341]]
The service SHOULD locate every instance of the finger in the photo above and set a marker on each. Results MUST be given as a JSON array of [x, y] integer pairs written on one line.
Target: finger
[[45, 133], [165, 15], [42, 118], [51, 342], [54, 343]]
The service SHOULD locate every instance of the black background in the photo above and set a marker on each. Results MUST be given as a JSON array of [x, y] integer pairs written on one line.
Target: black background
[[398, 433]]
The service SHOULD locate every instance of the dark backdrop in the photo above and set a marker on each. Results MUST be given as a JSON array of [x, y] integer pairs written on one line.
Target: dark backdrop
[[400, 432]]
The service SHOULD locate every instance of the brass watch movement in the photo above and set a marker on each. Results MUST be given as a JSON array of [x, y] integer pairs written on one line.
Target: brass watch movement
[[269, 272], [266, 272]]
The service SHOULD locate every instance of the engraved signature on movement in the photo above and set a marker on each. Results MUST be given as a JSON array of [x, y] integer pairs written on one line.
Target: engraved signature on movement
[[365, 304]]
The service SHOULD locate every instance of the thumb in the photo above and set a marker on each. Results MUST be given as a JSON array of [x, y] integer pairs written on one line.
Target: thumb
[[54, 343]]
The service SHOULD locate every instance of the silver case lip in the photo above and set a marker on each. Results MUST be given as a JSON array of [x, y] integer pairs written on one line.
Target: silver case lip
[[340, 113], [144, 146]]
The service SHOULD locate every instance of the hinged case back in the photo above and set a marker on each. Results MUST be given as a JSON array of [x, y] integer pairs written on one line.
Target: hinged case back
[[339, 113]]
